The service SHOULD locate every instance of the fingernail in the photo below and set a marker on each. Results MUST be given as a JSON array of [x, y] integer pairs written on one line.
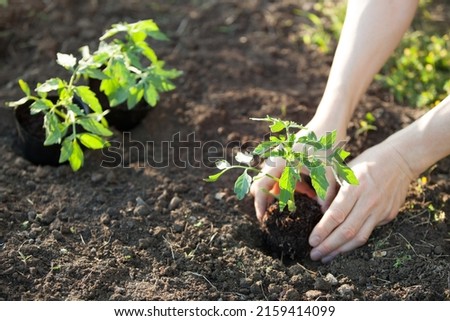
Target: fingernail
[[314, 241], [315, 255]]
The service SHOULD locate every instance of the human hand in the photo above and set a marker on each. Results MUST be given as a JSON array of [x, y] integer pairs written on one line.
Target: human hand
[[384, 177]]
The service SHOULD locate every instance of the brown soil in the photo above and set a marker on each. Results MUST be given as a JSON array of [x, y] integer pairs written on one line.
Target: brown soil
[[137, 232], [286, 233]]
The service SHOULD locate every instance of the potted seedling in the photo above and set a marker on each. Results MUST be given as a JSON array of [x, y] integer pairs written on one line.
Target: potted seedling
[[134, 76], [59, 117], [288, 222]]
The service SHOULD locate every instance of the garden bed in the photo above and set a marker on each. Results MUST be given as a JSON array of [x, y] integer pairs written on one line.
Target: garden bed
[[138, 232]]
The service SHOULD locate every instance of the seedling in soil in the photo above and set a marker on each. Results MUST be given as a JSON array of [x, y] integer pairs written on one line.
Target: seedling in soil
[[131, 68], [366, 124], [65, 122], [288, 222], [401, 260]]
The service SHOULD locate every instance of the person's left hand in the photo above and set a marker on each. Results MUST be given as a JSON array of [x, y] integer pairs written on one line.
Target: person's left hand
[[384, 178]]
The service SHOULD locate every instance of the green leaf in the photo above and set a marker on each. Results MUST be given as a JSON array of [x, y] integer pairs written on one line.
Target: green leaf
[[314, 19], [328, 139], [17, 103], [151, 95], [115, 28], [287, 183], [263, 147], [120, 79], [147, 25], [340, 154], [25, 88], [65, 60], [115, 93], [66, 150], [344, 172], [242, 185], [138, 36], [53, 132], [50, 85], [319, 180], [148, 52], [370, 117], [277, 126], [158, 35], [75, 109], [94, 127], [95, 73], [312, 136], [40, 105], [92, 141], [134, 97], [89, 98], [76, 159]]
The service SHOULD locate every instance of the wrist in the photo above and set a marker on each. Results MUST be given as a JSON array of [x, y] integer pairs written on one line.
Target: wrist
[[425, 141]]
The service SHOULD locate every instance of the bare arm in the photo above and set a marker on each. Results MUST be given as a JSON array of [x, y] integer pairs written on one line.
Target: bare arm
[[371, 31], [425, 141]]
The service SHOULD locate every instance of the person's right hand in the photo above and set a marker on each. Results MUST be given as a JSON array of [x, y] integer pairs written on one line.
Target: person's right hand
[[384, 178]]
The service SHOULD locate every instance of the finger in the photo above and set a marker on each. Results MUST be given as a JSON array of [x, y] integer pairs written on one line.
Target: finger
[[359, 240], [262, 183], [260, 189], [304, 188], [334, 216], [347, 232], [260, 204], [331, 194]]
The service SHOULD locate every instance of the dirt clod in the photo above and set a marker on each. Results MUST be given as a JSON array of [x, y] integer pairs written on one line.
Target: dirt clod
[[287, 233]]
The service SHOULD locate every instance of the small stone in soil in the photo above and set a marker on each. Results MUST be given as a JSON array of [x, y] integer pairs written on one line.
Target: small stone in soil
[[178, 227], [144, 243], [346, 291], [31, 216], [174, 203], [48, 215], [57, 235], [330, 278], [19, 162], [220, 195], [321, 284], [105, 219], [97, 177], [313, 294], [110, 177], [292, 295], [141, 210], [438, 250]]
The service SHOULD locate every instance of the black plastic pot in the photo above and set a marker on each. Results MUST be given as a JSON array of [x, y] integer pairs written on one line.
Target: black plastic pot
[[120, 116], [32, 136]]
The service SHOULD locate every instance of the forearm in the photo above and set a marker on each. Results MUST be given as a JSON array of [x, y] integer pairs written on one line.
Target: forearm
[[426, 141], [371, 31]]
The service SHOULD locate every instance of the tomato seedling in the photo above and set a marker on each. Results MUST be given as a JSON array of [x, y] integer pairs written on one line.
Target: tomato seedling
[[66, 122], [301, 150]]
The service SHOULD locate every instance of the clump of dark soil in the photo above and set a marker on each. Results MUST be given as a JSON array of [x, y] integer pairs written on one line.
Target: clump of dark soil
[[286, 233]]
